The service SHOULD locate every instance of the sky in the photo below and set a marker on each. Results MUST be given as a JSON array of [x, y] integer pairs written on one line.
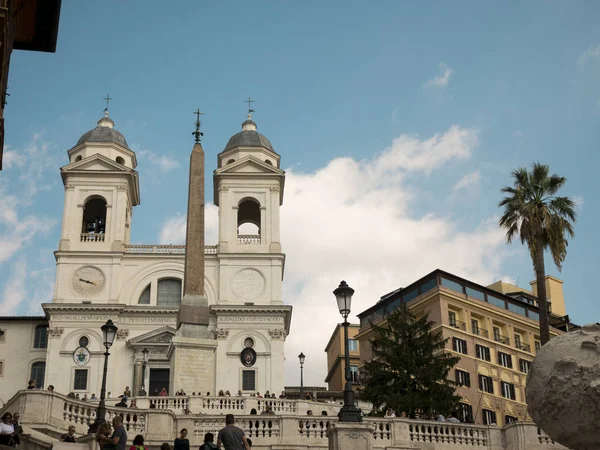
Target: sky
[[397, 124]]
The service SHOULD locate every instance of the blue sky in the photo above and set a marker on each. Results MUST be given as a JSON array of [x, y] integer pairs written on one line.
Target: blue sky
[[397, 122]]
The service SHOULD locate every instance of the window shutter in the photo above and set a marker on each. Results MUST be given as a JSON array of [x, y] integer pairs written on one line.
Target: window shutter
[[491, 387], [468, 379], [512, 392], [456, 377], [487, 354], [480, 382]]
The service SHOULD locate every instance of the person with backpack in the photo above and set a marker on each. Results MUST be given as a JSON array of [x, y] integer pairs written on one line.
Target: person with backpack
[[209, 444], [138, 443]]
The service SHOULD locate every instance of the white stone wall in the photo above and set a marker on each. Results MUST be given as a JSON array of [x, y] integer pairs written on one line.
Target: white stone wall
[[17, 355]]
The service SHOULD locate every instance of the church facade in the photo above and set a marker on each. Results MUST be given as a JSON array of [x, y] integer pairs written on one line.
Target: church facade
[[100, 275]]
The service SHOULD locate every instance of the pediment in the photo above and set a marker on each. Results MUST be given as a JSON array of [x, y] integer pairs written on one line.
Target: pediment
[[96, 162], [249, 164], [160, 336]]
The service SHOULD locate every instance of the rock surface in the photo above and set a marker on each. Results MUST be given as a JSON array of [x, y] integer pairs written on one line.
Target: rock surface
[[563, 388]]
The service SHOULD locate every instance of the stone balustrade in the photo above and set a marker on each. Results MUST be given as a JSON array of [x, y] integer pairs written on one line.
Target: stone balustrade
[[92, 237], [47, 414], [248, 239], [165, 249]]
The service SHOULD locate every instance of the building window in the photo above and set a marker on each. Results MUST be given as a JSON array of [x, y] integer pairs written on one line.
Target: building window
[[94, 216], [465, 413], [538, 345], [489, 417], [483, 352], [486, 384], [145, 297], [524, 365], [518, 343], [169, 292], [84, 341], [508, 390], [505, 360], [353, 345], [459, 345], [2, 335], [452, 318], [249, 217], [450, 284], [354, 374], [510, 419], [38, 373], [463, 378], [475, 326], [1, 368], [80, 380], [40, 340], [248, 380]]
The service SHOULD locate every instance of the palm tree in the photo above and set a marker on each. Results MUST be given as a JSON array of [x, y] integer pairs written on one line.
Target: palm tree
[[540, 219]]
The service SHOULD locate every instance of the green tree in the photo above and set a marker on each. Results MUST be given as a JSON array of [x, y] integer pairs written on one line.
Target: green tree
[[409, 368], [542, 220]]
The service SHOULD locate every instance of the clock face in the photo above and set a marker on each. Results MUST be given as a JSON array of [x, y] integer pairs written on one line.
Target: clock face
[[87, 281]]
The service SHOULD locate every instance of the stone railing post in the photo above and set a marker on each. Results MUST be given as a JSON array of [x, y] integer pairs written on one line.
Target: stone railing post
[[142, 402], [350, 436], [160, 426], [400, 433]]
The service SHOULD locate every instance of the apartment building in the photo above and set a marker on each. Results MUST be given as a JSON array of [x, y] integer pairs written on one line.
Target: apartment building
[[493, 329], [336, 352]]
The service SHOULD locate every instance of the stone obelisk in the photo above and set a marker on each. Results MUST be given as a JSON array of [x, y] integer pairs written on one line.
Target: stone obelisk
[[192, 350]]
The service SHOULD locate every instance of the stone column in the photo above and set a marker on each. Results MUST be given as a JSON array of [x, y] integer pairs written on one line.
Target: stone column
[[192, 350], [137, 375], [350, 436]]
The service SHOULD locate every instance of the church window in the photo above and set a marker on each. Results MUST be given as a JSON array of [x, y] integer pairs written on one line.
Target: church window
[[2, 335], [248, 342], [83, 341], [268, 161], [78, 158], [1, 368], [38, 373], [249, 218], [231, 161], [248, 380], [169, 292], [94, 216], [145, 297], [80, 380], [40, 339], [120, 160]]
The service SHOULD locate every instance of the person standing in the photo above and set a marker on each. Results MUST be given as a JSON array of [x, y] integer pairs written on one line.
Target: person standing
[[209, 443], [69, 436], [18, 428], [7, 430], [232, 437], [119, 436], [182, 443]]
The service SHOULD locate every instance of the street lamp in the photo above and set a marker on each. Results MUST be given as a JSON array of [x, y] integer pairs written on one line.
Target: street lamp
[[301, 357], [349, 412], [142, 391], [109, 331]]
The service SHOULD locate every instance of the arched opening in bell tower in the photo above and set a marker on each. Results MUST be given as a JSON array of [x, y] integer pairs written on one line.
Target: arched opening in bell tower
[[94, 216], [249, 225]]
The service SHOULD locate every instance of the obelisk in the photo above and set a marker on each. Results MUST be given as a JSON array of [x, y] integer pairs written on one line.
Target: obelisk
[[192, 350]]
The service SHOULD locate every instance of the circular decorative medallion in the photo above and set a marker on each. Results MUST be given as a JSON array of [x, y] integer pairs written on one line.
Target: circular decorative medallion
[[81, 356], [248, 284], [87, 281], [248, 357]]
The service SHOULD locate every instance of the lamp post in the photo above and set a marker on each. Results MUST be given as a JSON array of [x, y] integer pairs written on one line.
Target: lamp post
[[109, 331], [142, 390], [301, 358], [349, 412]]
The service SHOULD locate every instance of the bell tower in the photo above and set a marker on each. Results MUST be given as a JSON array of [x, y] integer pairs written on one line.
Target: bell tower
[[101, 189], [248, 189]]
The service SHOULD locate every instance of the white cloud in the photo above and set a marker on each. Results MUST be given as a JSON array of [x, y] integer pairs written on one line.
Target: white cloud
[[164, 162], [588, 56], [14, 291], [12, 158], [441, 80], [173, 230], [354, 220], [469, 181]]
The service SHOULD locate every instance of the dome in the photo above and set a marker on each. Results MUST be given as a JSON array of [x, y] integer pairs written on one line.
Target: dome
[[248, 137], [104, 132]]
